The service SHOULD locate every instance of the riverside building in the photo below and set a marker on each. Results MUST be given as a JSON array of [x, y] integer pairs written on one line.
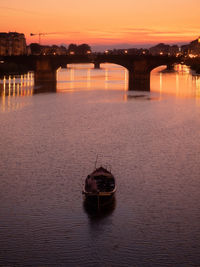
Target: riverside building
[[12, 44]]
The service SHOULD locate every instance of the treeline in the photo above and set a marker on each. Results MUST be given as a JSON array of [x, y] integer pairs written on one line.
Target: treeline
[[37, 49], [82, 49]]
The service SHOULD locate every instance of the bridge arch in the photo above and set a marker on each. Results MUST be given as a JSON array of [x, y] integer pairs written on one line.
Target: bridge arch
[[111, 61], [139, 67]]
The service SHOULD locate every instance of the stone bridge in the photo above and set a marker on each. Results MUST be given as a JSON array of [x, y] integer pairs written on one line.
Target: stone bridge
[[139, 67]]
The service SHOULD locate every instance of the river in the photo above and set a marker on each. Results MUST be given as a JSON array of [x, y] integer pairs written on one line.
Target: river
[[49, 139]]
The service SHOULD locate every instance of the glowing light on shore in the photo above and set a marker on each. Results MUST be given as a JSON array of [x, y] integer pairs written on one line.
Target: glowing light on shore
[[192, 56]]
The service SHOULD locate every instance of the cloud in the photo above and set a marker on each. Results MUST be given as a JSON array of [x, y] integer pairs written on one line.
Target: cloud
[[148, 32], [129, 34], [140, 33], [17, 10], [141, 30]]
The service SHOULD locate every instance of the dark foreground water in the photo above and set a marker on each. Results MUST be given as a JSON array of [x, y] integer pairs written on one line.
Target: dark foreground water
[[48, 145]]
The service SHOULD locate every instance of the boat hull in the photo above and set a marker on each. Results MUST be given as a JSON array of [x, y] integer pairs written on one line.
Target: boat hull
[[99, 200], [99, 187]]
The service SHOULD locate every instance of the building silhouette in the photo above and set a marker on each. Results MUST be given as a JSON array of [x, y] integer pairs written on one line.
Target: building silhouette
[[164, 49], [12, 44], [193, 48]]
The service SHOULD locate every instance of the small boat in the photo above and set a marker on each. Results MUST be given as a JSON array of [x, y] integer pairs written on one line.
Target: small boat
[[99, 187]]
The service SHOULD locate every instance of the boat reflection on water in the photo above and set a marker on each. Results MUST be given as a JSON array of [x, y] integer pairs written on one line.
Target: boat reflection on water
[[95, 213], [138, 96]]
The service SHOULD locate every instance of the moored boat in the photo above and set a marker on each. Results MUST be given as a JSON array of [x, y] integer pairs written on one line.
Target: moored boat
[[99, 187]]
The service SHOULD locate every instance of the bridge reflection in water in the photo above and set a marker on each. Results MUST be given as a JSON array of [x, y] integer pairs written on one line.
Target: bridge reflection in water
[[180, 82], [15, 87], [84, 77]]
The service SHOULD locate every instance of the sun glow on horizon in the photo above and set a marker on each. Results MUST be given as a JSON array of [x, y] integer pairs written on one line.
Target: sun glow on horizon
[[108, 23]]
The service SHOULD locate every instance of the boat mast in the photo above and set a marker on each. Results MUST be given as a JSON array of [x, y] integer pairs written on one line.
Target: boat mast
[[96, 162]]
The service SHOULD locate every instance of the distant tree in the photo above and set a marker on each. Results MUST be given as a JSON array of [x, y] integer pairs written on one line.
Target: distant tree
[[63, 47], [79, 49], [63, 50], [72, 48], [83, 49]]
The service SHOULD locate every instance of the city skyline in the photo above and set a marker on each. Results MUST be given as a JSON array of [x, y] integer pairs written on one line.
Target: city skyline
[[103, 24]]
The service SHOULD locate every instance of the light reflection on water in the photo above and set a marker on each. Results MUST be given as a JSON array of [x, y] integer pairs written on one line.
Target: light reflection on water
[[49, 144], [179, 82], [85, 77], [15, 86]]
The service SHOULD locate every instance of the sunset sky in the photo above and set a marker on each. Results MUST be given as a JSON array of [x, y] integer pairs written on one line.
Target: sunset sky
[[106, 22]]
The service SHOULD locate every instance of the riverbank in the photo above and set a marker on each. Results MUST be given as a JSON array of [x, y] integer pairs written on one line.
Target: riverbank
[[194, 64], [8, 68]]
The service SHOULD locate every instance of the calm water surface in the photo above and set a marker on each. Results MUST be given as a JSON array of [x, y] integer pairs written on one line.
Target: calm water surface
[[49, 139]]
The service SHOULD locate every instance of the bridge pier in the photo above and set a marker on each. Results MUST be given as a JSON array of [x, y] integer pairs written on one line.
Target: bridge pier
[[96, 65], [139, 81], [170, 67], [63, 66], [44, 72]]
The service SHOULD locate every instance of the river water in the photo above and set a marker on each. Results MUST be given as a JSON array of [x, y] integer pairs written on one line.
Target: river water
[[49, 139]]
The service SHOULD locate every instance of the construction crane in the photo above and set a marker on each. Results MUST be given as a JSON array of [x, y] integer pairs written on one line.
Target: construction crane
[[40, 34]]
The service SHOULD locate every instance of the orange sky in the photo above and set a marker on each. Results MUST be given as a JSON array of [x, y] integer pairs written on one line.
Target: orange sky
[[105, 22]]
